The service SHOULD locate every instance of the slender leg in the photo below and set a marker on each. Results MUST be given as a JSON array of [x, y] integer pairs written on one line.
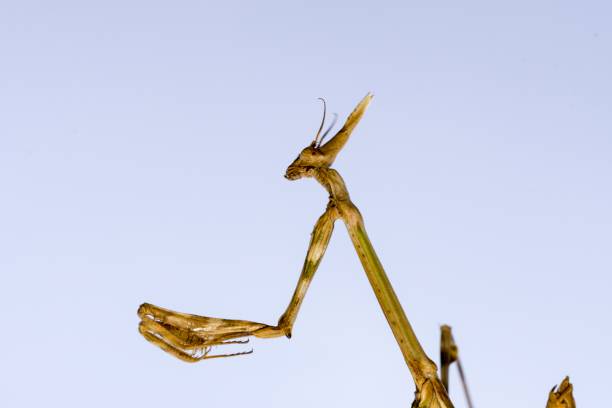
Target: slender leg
[[466, 390], [430, 391], [448, 353], [190, 337], [319, 241]]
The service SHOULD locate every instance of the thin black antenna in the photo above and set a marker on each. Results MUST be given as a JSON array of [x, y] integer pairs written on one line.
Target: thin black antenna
[[316, 142], [329, 128]]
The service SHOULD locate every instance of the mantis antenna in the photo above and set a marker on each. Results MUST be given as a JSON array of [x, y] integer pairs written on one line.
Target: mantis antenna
[[329, 128], [316, 141]]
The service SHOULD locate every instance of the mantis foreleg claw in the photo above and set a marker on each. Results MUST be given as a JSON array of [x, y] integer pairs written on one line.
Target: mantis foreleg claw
[[191, 337], [180, 334]]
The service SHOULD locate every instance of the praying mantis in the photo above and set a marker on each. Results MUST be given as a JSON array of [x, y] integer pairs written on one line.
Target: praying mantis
[[192, 338]]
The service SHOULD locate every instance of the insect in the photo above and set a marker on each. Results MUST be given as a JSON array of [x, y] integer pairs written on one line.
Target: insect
[[191, 338]]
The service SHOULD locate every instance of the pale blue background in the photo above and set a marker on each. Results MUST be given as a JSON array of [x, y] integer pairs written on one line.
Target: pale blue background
[[142, 150]]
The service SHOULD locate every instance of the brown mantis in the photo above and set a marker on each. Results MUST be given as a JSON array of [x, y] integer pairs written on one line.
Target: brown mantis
[[191, 338]]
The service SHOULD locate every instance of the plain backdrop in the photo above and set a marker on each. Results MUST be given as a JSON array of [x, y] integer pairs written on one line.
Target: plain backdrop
[[142, 148]]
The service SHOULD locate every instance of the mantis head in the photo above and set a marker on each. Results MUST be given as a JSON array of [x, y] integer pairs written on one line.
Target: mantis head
[[317, 155]]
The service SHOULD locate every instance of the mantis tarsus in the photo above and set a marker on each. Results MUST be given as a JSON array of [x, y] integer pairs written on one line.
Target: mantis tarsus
[[191, 337]]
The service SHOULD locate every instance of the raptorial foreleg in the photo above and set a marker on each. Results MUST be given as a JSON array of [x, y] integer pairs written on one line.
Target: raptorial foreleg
[[191, 337]]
